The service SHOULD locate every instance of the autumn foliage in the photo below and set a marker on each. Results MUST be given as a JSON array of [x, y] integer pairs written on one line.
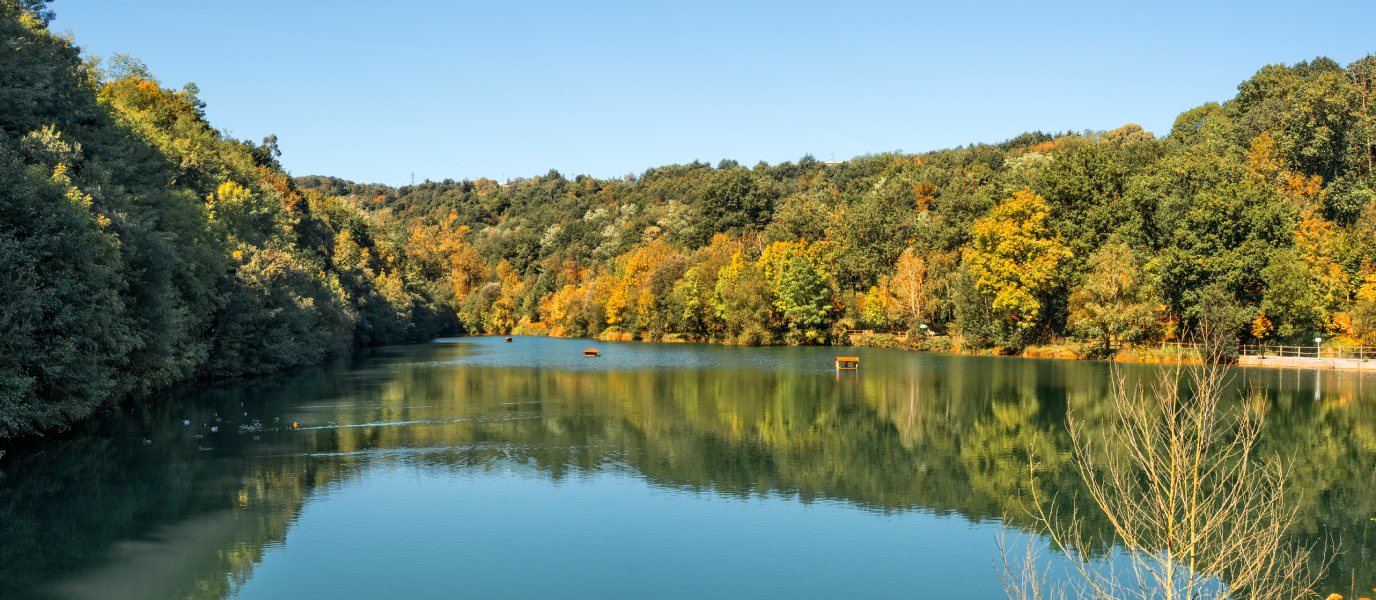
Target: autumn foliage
[[144, 247]]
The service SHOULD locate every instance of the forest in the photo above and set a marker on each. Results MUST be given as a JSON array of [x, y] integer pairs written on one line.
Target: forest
[[140, 246], [1257, 213]]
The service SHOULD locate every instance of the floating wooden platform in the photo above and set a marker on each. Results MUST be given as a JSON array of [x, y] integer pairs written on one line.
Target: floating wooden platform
[[590, 353], [847, 362]]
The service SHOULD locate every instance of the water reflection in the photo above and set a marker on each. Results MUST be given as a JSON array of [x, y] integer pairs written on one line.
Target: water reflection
[[98, 512]]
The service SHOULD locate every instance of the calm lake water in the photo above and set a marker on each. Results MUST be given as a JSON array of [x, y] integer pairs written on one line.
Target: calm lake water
[[476, 468]]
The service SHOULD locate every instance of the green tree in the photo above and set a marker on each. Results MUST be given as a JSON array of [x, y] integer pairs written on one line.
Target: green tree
[[870, 231], [803, 298], [1085, 188], [1202, 124], [741, 302], [1215, 224], [63, 328], [1114, 300], [1307, 107], [735, 200], [1290, 302]]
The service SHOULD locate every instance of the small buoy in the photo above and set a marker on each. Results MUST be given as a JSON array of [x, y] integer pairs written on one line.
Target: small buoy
[[186, 421], [214, 429], [147, 441]]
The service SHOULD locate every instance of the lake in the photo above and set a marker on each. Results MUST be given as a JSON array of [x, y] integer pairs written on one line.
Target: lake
[[477, 468]]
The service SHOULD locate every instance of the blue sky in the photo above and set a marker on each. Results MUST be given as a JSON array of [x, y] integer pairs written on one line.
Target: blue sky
[[373, 91]]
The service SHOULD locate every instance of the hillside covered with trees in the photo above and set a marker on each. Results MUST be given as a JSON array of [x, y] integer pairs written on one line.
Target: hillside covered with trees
[[1258, 211], [140, 246]]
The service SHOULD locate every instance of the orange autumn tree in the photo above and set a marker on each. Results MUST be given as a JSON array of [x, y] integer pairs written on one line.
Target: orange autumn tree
[[628, 305], [442, 255]]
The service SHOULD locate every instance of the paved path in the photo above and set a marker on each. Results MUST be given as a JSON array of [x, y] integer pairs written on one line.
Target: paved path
[[1352, 364]]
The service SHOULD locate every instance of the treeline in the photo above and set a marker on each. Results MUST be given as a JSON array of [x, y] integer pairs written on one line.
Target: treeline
[[142, 247], [139, 246], [1258, 213]]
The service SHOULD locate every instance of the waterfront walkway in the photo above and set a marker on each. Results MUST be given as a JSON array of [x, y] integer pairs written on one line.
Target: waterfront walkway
[[1292, 362], [1360, 358]]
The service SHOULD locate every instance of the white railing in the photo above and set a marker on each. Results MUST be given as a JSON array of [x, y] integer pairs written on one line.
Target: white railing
[[1357, 352]]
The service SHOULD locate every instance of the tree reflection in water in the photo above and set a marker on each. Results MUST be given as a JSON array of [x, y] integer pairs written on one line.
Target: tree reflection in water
[[938, 433]]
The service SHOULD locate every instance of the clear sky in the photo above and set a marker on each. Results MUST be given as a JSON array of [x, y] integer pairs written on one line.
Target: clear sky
[[374, 91]]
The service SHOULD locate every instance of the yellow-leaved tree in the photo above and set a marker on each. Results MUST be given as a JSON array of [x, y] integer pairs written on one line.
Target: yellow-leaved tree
[[633, 271], [909, 288], [1364, 310], [443, 255], [1115, 300], [1015, 260]]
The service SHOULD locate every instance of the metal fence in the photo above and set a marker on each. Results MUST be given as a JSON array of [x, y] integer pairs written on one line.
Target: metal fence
[[1341, 352], [1357, 352], [902, 335]]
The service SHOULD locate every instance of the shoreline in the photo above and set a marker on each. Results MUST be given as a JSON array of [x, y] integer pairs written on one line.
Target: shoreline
[[938, 344], [1143, 354]]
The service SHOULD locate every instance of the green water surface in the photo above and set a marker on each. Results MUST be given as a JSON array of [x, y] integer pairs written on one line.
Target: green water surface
[[473, 468]]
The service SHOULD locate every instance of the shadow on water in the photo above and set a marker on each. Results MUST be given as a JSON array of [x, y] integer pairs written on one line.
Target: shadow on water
[[139, 503]]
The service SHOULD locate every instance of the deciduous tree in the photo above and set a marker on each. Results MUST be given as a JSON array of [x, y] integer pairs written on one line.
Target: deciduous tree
[[1015, 259], [1114, 301]]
